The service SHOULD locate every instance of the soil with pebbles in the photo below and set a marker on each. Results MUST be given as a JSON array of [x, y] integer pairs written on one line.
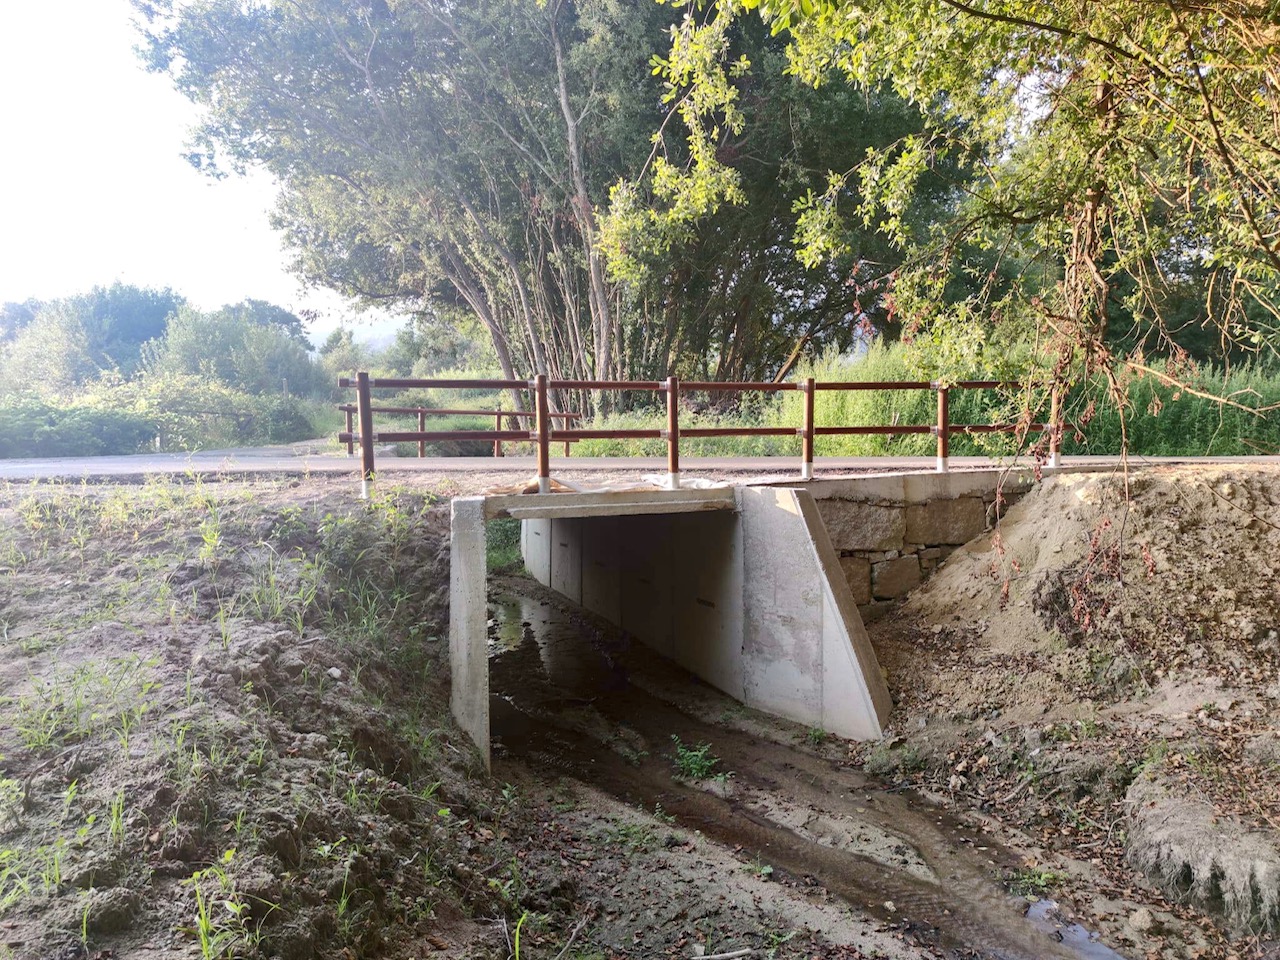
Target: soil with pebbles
[[1103, 672]]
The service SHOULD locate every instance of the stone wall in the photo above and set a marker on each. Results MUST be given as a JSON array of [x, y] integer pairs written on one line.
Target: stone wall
[[887, 546]]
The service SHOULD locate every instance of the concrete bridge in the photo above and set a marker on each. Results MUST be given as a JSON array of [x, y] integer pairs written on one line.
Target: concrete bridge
[[759, 588]]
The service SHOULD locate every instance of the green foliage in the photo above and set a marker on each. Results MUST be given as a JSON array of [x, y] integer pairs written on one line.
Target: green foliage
[[1160, 419], [502, 545], [190, 412], [1036, 881], [33, 427], [56, 346], [232, 347], [693, 763], [1116, 193]]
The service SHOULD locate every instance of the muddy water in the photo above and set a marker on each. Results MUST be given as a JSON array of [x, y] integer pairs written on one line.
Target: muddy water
[[569, 694]]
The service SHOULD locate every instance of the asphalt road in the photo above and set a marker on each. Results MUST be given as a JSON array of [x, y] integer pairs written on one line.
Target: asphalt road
[[284, 460]]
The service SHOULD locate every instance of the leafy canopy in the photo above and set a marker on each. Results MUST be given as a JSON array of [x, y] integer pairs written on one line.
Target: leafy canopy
[[1125, 165]]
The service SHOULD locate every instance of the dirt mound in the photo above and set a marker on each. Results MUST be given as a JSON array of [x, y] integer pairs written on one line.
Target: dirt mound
[[1180, 577], [1113, 632]]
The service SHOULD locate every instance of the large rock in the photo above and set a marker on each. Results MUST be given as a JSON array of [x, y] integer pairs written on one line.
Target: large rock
[[894, 578], [946, 521], [854, 525], [857, 570]]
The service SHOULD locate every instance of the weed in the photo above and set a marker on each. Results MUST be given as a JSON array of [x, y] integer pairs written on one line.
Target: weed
[[210, 536], [515, 950], [774, 940], [220, 934], [92, 697], [14, 883], [884, 761], [116, 817], [693, 763], [816, 736], [761, 869], [631, 837], [1035, 881]]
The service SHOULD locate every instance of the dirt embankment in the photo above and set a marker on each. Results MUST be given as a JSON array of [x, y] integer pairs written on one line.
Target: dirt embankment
[[224, 732], [1102, 672]]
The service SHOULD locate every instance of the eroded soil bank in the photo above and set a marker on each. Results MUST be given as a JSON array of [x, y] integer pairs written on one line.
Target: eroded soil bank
[[1101, 674]]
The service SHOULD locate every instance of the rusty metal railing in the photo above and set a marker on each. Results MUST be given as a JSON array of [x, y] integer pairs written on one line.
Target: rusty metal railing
[[349, 436], [543, 434]]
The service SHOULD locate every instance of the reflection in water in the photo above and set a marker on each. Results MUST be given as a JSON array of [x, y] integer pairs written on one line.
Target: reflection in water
[[1085, 944], [569, 694]]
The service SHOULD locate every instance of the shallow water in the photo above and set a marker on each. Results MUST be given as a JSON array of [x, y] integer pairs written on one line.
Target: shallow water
[[570, 694]]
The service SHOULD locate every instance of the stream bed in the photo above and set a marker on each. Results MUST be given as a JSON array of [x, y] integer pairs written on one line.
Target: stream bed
[[571, 695]]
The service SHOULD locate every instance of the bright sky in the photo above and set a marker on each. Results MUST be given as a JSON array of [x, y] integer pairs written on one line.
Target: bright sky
[[93, 186]]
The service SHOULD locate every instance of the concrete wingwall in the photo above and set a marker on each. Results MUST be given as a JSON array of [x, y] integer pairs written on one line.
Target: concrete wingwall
[[753, 601]]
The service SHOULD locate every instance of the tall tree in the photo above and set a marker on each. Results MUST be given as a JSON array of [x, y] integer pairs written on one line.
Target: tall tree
[[1128, 164], [454, 156]]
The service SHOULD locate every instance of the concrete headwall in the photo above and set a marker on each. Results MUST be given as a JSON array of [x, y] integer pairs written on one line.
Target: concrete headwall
[[752, 601]]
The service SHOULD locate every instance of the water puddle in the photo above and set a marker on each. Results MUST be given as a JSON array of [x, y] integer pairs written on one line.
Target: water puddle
[[570, 694], [1044, 915]]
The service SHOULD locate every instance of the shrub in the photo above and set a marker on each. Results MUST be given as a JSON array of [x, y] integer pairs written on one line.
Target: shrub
[[33, 427]]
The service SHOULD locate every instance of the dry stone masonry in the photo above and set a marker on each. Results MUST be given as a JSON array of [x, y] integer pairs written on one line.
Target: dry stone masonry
[[888, 547]]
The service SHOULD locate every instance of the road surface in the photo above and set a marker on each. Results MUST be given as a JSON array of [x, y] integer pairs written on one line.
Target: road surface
[[285, 460]]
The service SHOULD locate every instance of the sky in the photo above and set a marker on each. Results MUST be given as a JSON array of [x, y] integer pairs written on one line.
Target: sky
[[94, 188]]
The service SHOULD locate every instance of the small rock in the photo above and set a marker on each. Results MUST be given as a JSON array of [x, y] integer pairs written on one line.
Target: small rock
[[335, 673], [888, 905], [1141, 920]]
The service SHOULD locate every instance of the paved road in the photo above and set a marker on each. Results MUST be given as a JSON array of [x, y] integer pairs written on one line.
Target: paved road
[[284, 460]]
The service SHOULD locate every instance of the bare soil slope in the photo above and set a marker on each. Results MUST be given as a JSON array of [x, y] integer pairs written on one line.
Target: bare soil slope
[[1102, 671]]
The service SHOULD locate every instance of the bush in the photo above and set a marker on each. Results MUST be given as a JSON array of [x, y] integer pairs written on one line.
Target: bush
[[192, 412], [32, 427]]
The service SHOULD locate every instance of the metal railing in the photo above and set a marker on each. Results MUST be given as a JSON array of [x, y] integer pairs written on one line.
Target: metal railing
[[543, 434], [351, 410]]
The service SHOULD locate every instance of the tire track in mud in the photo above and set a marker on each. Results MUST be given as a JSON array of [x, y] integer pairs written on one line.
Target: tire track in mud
[[565, 700]]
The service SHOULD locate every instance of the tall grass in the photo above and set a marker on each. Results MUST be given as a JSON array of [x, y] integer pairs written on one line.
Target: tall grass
[[1162, 420]]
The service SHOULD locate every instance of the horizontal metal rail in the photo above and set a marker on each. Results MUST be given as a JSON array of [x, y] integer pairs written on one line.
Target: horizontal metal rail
[[434, 412], [542, 434]]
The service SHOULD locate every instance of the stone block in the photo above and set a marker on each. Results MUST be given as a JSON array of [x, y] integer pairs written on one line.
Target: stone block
[[946, 521], [893, 578], [854, 525], [857, 571]]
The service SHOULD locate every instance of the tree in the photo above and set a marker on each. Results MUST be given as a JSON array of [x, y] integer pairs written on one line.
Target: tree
[[53, 353], [453, 157], [724, 294], [1121, 149], [431, 150], [264, 314], [233, 349], [14, 316]]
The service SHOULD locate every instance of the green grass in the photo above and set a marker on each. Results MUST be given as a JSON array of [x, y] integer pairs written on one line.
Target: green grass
[[1160, 420], [502, 545]]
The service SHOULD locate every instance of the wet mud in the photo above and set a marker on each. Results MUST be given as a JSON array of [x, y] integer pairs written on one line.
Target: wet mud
[[571, 695]]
